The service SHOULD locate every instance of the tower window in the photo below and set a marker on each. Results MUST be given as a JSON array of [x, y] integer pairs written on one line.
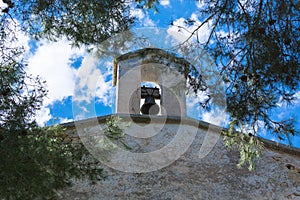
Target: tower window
[[150, 94]]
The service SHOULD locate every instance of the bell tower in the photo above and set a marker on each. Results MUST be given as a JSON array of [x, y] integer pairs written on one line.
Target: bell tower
[[150, 65]]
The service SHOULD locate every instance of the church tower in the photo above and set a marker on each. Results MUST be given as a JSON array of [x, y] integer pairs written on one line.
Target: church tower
[[167, 74]]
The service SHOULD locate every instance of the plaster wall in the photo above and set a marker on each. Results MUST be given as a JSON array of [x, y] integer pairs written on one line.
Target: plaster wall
[[216, 176], [150, 65]]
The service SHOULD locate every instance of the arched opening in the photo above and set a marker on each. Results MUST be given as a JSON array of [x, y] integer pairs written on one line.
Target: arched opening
[[150, 99]]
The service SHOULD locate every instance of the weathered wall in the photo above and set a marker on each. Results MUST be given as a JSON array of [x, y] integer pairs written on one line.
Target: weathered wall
[[215, 176], [150, 65]]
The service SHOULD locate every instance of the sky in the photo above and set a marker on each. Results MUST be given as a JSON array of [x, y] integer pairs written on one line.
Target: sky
[[78, 79]]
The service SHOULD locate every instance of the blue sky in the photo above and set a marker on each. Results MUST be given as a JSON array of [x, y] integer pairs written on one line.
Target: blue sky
[[66, 69]]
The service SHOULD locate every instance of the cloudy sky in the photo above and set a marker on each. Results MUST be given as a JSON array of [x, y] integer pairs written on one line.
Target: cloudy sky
[[80, 82]]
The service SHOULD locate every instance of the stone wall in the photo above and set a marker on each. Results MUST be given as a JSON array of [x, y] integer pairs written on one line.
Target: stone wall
[[216, 176]]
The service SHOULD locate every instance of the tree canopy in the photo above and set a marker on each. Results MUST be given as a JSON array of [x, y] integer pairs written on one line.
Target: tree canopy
[[258, 55], [255, 44], [81, 22], [35, 161]]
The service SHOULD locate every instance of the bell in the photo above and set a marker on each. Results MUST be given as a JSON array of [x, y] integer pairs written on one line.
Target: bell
[[150, 107]]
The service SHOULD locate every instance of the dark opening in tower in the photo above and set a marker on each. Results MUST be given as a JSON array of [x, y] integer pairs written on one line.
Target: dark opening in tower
[[150, 99]]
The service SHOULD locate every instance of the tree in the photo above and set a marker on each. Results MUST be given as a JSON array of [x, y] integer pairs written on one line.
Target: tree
[[37, 161], [81, 22], [255, 44]]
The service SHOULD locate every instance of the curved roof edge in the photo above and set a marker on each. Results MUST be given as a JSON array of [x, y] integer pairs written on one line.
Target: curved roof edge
[[143, 53], [175, 120]]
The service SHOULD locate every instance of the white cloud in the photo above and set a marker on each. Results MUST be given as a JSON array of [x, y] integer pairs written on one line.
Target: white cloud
[[193, 107], [42, 116], [52, 63], [297, 95], [183, 33], [22, 40], [2, 5], [64, 120], [296, 102], [216, 116], [143, 17], [104, 88], [92, 83], [15, 37], [165, 3], [200, 4]]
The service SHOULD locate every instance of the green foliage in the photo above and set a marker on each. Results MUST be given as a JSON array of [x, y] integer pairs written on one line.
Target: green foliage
[[148, 4], [250, 147], [115, 130], [81, 22], [35, 161], [41, 162], [20, 94], [255, 45], [103, 144]]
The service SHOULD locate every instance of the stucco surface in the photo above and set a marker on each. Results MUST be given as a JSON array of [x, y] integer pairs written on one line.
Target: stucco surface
[[216, 176], [157, 67]]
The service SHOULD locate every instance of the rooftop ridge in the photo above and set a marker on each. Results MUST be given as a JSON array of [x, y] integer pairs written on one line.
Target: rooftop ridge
[[174, 120]]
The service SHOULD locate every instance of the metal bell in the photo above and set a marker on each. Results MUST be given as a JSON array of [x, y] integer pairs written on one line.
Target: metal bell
[[149, 106]]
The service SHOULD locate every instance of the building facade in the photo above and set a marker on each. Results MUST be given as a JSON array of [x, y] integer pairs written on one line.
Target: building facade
[[172, 156]]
